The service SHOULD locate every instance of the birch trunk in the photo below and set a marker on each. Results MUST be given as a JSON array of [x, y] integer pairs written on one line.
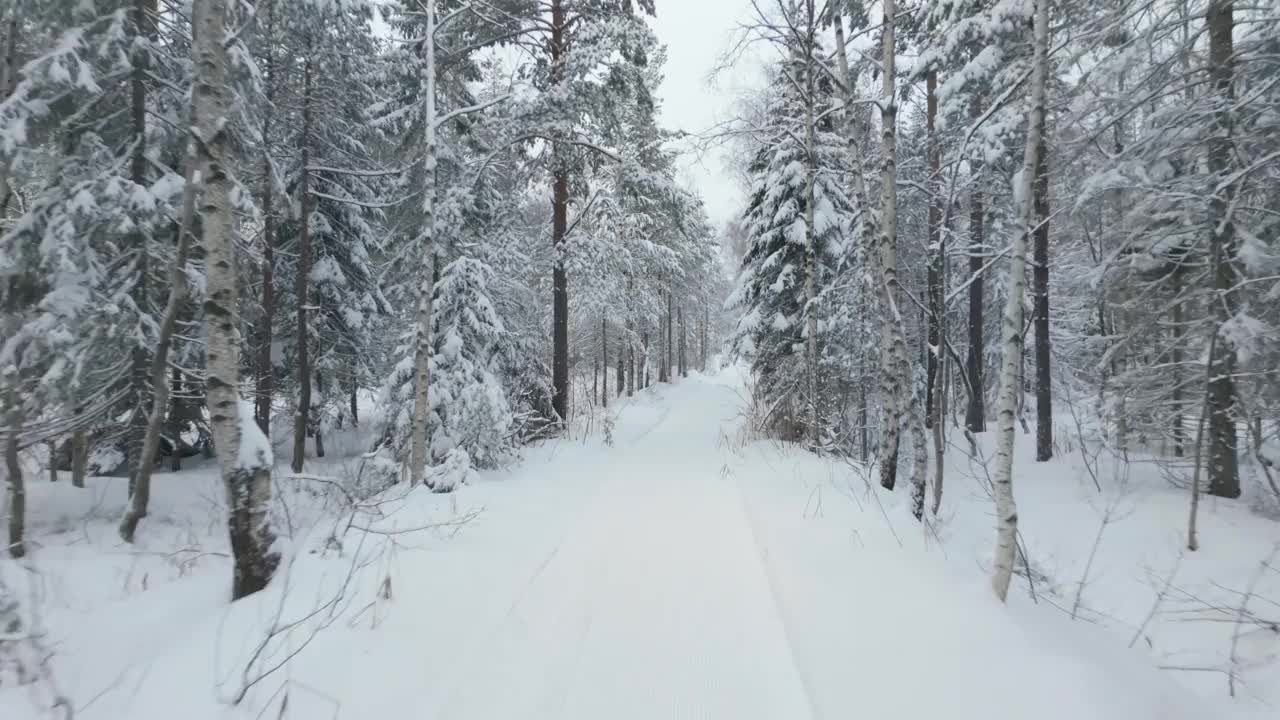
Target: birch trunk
[[894, 384], [1011, 325], [419, 457], [7, 84], [243, 452], [869, 224]]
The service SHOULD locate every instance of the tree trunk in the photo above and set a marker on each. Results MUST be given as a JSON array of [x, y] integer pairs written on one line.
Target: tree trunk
[[8, 82], [1179, 434], [644, 365], [420, 453], [622, 373], [139, 380], [17, 486], [604, 362], [1040, 277], [141, 480], [302, 417], [315, 421], [1012, 323], [559, 226], [243, 452], [894, 383], [355, 410], [1223, 464], [669, 350], [175, 419], [975, 417], [264, 371], [706, 322], [811, 244], [937, 312], [863, 430], [684, 358], [79, 454], [631, 359]]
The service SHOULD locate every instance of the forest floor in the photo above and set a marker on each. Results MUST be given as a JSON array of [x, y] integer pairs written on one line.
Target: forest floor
[[683, 570]]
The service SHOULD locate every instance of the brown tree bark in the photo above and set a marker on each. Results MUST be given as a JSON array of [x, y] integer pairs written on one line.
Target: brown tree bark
[[559, 226], [303, 282], [1223, 464], [1040, 289], [669, 349], [975, 418], [936, 251], [17, 486], [604, 363], [264, 372], [142, 24]]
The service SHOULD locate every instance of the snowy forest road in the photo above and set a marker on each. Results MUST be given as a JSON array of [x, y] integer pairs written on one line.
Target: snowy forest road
[[681, 571], [655, 603]]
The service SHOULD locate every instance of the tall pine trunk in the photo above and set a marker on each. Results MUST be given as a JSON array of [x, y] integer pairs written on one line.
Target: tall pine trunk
[[264, 373], [142, 26], [1223, 465], [604, 362], [1012, 322], [934, 399], [1040, 278], [13, 468], [975, 416], [668, 350], [559, 226], [302, 417], [419, 452], [243, 451]]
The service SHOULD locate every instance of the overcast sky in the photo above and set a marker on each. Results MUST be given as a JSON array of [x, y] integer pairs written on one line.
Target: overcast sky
[[697, 33]]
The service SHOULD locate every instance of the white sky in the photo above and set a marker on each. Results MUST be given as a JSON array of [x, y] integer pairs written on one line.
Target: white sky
[[697, 34]]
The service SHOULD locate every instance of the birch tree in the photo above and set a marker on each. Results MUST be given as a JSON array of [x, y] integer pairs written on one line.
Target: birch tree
[[243, 451], [1012, 321]]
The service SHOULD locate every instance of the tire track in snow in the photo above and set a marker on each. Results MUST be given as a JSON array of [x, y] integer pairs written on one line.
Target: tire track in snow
[[780, 612]]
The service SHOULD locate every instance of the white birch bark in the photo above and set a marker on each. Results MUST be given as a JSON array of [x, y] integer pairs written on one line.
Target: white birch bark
[[243, 451], [418, 456], [894, 367], [1011, 324]]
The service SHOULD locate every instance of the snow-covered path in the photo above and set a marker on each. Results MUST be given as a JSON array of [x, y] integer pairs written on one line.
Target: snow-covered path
[[680, 572], [655, 604]]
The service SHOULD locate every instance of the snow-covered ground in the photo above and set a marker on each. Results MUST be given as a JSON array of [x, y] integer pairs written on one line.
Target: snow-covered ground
[[683, 571]]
